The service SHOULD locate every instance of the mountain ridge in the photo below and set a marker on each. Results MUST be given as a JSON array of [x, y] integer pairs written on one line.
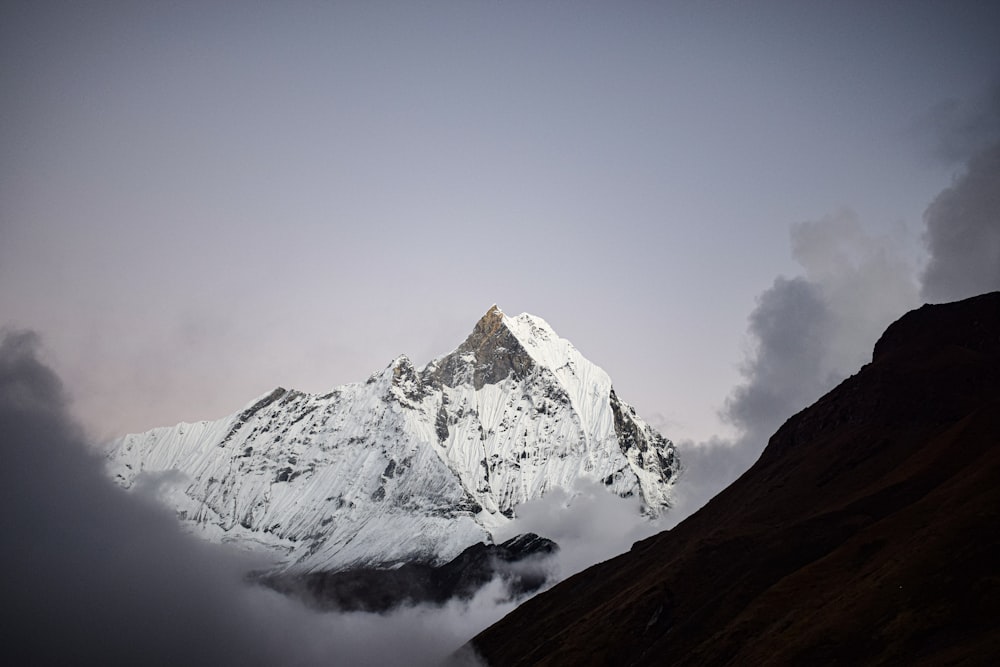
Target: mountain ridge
[[866, 533], [412, 465]]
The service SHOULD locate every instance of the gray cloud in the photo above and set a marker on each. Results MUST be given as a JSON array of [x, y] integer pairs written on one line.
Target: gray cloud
[[807, 333], [92, 575], [963, 232], [782, 374], [961, 128], [788, 326], [97, 577]]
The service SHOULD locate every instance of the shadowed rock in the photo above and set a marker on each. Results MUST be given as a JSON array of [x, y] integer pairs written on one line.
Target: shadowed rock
[[517, 562]]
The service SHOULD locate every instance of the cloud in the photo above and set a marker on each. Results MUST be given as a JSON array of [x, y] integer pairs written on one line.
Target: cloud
[[963, 232], [92, 575], [807, 333], [589, 524], [960, 128], [788, 327]]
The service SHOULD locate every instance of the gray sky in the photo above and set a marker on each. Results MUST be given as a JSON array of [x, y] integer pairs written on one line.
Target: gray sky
[[200, 201]]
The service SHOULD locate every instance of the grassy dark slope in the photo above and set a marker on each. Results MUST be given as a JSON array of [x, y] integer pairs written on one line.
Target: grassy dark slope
[[867, 533]]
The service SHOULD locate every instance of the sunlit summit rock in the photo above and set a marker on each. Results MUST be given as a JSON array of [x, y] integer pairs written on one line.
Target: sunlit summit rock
[[415, 464]]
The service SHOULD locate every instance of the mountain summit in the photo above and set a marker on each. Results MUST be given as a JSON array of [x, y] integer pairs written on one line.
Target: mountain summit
[[413, 465]]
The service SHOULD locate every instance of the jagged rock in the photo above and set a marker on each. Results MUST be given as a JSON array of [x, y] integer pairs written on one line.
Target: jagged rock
[[415, 464], [518, 562]]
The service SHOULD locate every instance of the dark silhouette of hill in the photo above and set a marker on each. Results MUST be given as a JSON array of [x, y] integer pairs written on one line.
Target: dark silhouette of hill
[[868, 532]]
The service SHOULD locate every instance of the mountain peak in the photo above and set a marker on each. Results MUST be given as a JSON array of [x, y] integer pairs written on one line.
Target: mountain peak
[[413, 465], [490, 322], [490, 354]]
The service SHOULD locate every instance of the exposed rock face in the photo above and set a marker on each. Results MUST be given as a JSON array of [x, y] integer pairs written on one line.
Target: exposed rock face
[[413, 465], [490, 355], [517, 562], [645, 448], [868, 532]]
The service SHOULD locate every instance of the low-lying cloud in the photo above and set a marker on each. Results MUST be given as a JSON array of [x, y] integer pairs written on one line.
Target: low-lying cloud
[[93, 575], [588, 523]]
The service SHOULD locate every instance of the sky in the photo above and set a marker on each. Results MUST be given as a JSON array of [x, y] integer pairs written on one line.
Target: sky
[[202, 201], [722, 204]]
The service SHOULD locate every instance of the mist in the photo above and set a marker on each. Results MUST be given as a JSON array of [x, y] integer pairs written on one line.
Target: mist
[[94, 575], [589, 524]]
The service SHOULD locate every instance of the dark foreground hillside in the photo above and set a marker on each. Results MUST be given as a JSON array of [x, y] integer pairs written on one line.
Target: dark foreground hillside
[[867, 533]]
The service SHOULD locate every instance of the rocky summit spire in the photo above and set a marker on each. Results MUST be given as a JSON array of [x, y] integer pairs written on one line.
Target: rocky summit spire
[[490, 354], [489, 323]]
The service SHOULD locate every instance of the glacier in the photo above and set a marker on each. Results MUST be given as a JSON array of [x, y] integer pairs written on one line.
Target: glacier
[[412, 465]]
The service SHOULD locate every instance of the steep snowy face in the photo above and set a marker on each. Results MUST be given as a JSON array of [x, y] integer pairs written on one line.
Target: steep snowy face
[[525, 412], [413, 465]]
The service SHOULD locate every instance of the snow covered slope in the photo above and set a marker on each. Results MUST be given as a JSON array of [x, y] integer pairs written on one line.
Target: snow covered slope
[[415, 464]]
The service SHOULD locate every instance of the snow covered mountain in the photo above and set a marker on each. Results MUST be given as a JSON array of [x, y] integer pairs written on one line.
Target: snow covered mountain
[[413, 465]]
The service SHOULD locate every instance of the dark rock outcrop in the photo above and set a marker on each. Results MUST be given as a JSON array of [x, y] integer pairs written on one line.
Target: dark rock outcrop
[[518, 562]]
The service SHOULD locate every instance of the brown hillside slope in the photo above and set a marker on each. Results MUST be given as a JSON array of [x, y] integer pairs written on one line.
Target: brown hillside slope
[[867, 533]]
